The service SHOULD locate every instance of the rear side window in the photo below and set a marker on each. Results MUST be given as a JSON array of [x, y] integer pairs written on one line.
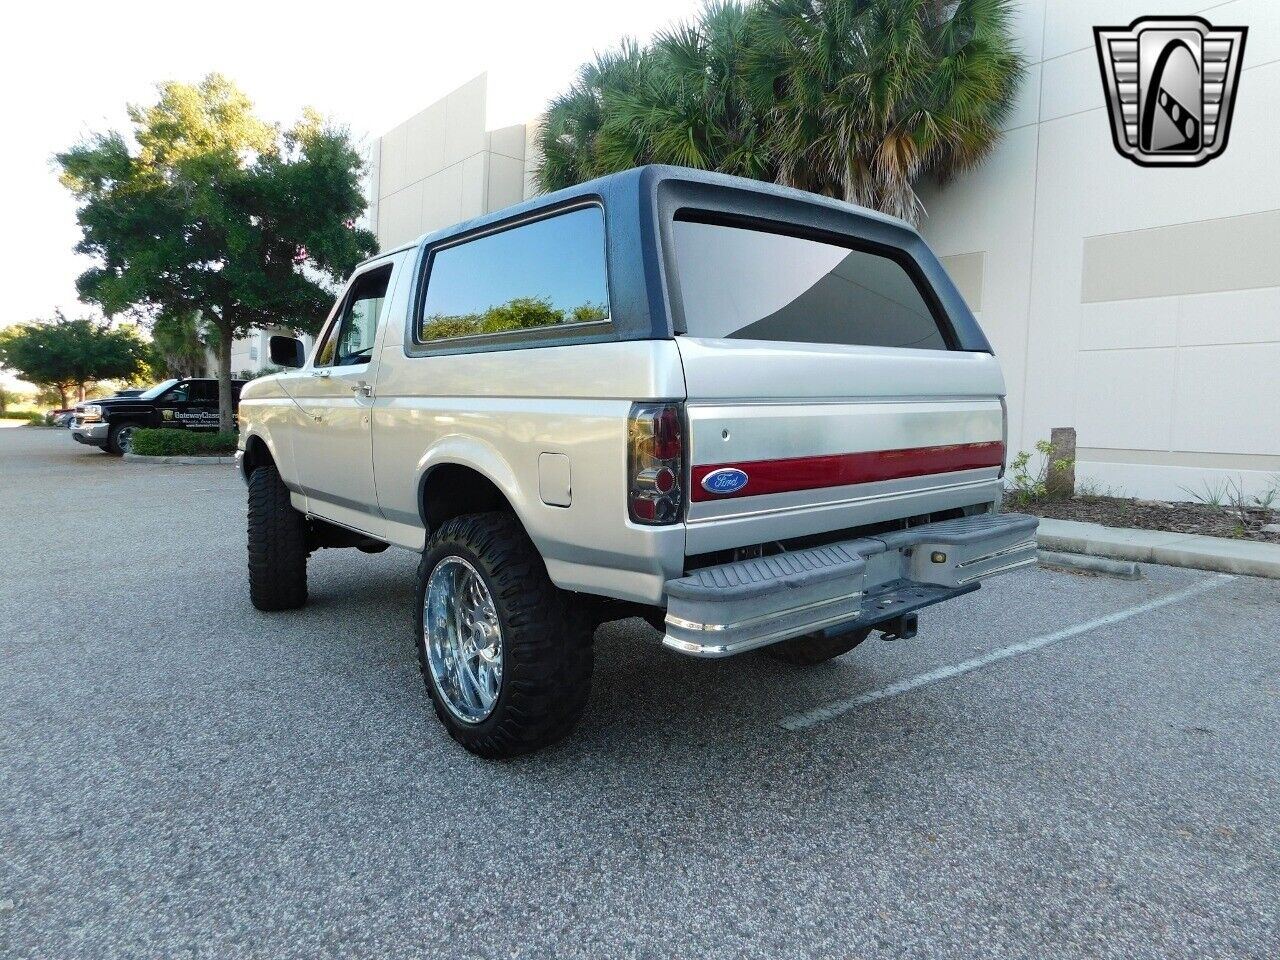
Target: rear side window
[[546, 273], [742, 283], [203, 391]]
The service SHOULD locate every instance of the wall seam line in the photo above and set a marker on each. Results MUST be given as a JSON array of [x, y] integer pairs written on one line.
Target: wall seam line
[[1031, 266]]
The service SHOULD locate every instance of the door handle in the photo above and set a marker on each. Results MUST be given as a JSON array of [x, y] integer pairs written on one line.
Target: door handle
[[324, 374], [362, 387]]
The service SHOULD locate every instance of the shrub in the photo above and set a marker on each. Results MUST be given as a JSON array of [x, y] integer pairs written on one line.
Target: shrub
[[31, 416], [183, 443], [1229, 497], [1027, 484]]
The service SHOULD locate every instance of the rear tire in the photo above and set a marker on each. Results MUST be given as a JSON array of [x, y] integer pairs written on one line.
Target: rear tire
[[544, 638], [814, 648], [277, 544]]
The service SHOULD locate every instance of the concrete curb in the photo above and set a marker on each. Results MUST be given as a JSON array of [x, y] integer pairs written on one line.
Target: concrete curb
[[1248, 557], [179, 461], [1079, 563]]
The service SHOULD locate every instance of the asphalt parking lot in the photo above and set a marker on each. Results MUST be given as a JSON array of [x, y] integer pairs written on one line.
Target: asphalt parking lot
[[1058, 765]]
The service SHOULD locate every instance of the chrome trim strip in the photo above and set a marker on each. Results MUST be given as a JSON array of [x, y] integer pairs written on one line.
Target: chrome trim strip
[[825, 401], [725, 649], [805, 507], [1030, 561], [751, 621], [999, 553]]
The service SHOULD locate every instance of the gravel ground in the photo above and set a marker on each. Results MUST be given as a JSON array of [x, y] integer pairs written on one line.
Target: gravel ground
[[182, 776]]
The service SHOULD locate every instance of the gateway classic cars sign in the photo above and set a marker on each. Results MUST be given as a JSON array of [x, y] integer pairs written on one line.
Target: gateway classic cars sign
[[1170, 84]]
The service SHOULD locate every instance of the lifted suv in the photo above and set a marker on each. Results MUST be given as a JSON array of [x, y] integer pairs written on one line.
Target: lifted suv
[[757, 417]]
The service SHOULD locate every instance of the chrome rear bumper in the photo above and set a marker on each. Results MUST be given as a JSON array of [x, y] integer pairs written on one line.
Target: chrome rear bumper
[[720, 611]]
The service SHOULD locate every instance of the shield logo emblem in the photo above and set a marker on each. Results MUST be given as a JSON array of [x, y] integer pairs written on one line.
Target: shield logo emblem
[[1170, 85]]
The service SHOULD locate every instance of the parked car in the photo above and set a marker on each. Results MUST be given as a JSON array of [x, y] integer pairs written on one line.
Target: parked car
[[60, 417], [188, 404], [760, 418]]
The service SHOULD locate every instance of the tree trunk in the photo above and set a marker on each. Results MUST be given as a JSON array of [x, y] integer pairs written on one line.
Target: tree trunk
[[226, 419], [62, 396]]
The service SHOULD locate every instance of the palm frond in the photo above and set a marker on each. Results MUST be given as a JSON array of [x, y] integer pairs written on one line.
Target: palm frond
[[856, 99]]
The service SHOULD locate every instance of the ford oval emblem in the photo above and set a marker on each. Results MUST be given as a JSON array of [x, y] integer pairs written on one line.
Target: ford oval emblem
[[724, 480]]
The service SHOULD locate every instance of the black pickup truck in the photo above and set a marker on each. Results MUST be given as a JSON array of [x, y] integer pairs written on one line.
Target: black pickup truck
[[189, 404]]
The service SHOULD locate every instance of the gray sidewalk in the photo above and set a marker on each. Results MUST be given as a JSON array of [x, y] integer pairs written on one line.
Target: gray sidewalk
[[1248, 557]]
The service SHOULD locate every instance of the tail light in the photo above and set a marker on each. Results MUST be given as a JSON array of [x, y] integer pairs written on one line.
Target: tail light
[[655, 463]]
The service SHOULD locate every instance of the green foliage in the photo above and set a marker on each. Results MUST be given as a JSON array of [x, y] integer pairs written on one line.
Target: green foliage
[[522, 313], [183, 443], [854, 99], [1027, 483], [180, 341], [31, 416], [217, 214], [65, 355]]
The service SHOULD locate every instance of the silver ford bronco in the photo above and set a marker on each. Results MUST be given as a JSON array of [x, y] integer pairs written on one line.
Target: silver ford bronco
[[759, 418]]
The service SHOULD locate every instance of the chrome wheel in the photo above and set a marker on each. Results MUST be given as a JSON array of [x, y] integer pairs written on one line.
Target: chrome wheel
[[463, 639], [125, 439]]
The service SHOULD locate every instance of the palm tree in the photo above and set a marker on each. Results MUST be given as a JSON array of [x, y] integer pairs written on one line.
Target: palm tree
[[568, 133], [870, 94], [690, 107], [855, 99]]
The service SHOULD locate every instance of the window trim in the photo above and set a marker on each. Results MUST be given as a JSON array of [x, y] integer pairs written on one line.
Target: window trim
[[908, 263], [333, 327], [549, 335]]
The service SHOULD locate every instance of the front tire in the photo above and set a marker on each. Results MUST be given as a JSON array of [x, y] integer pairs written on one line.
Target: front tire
[[814, 648], [506, 659], [277, 544], [120, 438]]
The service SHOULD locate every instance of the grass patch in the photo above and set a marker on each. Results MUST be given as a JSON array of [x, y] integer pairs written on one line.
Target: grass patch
[[183, 443]]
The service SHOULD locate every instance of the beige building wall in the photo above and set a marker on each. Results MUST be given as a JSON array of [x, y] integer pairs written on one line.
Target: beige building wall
[[1139, 305], [442, 166]]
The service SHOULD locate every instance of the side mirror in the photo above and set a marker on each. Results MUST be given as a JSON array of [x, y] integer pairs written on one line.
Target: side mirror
[[287, 352]]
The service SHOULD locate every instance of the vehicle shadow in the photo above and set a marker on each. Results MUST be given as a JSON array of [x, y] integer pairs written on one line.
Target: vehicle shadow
[[649, 708]]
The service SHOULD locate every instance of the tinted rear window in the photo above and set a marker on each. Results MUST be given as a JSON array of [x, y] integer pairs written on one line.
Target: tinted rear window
[[542, 274], [750, 284], [204, 391]]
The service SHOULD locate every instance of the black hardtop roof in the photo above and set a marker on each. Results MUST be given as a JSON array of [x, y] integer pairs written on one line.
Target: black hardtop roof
[[639, 206], [644, 183]]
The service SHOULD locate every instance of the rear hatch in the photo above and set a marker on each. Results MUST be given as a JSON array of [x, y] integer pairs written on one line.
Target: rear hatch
[[825, 389]]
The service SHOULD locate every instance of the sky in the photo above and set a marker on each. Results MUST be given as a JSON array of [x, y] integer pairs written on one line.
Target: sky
[[70, 68]]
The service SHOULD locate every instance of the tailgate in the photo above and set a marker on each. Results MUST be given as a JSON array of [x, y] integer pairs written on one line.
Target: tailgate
[[790, 440]]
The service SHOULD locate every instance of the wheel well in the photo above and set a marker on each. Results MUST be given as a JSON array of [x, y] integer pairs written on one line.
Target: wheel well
[[452, 490], [256, 454]]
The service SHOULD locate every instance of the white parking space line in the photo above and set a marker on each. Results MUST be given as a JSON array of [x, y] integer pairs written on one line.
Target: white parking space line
[[801, 721]]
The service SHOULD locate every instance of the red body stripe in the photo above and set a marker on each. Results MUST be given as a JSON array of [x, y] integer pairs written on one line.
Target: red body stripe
[[842, 469]]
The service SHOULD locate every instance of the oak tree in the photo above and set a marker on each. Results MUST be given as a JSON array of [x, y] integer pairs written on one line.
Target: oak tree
[[208, 210]]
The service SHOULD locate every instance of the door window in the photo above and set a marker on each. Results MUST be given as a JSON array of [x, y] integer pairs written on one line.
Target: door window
[[180, 393], [350, 338]]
